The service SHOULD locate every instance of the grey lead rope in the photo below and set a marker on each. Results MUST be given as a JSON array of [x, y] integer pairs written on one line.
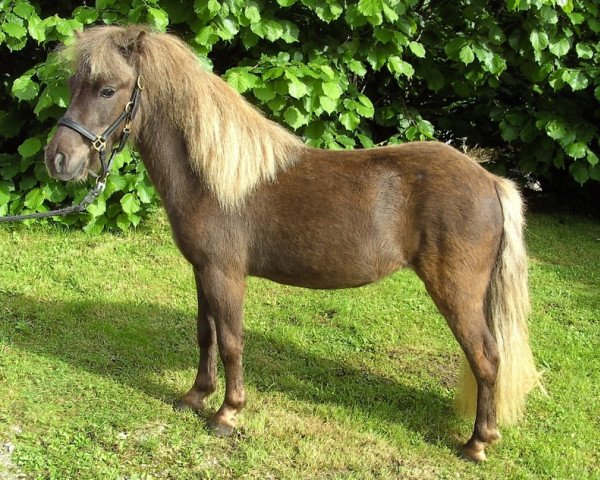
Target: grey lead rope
[[90, 197]]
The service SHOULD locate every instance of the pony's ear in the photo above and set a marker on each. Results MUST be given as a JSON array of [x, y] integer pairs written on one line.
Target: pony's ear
[[139, 41], [133, 46]]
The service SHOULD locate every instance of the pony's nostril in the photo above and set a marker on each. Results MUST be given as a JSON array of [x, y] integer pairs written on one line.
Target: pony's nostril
[[59, 162]]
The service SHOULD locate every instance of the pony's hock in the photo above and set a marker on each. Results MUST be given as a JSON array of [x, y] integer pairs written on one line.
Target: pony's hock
[[246, 197]]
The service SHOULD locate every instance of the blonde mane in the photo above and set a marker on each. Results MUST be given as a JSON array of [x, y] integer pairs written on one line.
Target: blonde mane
[[230, 144]]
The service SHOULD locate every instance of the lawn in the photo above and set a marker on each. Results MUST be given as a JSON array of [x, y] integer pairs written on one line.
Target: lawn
[[97, 339]]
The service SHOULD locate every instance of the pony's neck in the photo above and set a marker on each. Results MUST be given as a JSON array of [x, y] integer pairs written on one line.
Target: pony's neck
[[228, 143], [163, 150]]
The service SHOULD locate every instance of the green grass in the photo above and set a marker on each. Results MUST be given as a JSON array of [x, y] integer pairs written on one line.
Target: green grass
[[97, 339]]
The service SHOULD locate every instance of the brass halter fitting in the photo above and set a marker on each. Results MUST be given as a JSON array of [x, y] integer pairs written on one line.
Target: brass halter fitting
[[99, 143]]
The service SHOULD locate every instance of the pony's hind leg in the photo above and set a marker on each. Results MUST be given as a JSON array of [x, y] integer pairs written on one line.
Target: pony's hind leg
[[480, 348], [205, 382], [460, 297]]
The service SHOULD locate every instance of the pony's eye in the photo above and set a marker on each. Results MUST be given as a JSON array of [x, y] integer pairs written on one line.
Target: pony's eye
[[107, 92]]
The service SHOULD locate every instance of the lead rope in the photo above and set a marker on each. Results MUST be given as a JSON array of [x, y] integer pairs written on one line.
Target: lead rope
[[99, 144]]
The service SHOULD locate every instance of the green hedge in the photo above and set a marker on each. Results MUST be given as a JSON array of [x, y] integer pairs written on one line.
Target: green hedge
[[519, 76]]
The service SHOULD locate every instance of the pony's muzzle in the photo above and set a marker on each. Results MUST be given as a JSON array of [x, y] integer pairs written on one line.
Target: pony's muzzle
[[62, 167]]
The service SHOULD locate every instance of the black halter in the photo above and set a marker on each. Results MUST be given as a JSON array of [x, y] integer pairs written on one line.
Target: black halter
[[99, 144]]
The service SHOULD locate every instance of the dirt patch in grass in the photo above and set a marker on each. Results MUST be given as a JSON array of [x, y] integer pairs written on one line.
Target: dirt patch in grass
[[439, 365], [8, 470]]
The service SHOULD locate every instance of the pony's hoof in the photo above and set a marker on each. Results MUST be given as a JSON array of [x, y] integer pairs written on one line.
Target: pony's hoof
[[474, 453], [221, 431], [191, 401], [493, 436], [181, 406], [223, 422]]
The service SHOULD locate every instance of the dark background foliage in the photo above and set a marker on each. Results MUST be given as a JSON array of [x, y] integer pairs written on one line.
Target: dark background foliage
[[519, 77]]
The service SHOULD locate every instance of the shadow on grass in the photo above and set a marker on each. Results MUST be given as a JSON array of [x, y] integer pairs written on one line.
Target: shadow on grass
[[127, 342]]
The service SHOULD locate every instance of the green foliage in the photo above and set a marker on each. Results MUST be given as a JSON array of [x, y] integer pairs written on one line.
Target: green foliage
[[523, 74]]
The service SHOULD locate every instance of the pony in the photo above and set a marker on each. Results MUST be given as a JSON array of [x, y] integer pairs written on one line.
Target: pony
[[246, 197]]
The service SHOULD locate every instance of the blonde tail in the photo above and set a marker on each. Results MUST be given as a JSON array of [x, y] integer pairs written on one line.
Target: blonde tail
[[507, 309]]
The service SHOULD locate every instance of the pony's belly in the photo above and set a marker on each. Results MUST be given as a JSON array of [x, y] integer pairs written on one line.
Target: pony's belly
[[325, 283], [336, 273]]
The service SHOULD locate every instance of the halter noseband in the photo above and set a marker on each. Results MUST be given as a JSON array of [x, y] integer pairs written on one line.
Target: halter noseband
[[99, 144]]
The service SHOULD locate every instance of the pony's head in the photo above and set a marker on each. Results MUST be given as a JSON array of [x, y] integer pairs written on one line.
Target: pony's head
[[105, 75], [230, 146]]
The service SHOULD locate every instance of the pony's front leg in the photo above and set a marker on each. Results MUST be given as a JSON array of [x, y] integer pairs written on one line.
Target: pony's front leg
[[205, 382], [224, 293]]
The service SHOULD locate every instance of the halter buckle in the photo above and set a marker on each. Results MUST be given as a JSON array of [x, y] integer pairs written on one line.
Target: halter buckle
[[139, 82], [129, 107], [99, 143], [127, 128]]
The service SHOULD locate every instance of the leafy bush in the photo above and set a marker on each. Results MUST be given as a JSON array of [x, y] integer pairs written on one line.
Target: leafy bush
[[521, 76]]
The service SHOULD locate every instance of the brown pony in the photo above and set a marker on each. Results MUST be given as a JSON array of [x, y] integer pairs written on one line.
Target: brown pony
[[246, 197]]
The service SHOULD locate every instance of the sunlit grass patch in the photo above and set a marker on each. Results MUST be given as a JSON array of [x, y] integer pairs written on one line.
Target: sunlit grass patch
[[97, 339]]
